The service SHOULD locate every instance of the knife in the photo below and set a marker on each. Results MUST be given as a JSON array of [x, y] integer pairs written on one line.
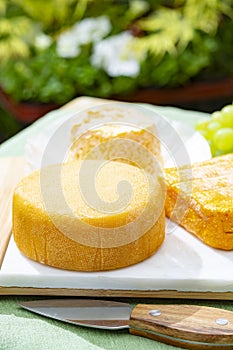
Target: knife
[[186, 326]]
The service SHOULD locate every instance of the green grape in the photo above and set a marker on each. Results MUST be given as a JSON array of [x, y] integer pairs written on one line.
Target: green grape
[[204, 133], [218, 130], [223, 139], [217, 117], [212, 148], [212, 128], [227, 116], [202, 124], [219, 153]]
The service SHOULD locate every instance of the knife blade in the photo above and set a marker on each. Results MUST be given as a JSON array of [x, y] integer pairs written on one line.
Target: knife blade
[[186, 326]]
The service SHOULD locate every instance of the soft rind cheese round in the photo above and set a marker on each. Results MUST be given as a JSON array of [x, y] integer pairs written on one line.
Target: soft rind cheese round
[[86, 217]]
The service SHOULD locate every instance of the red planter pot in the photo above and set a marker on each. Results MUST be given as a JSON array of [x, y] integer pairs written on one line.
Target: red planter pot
[[25, 112], [193, 93], [187, 97]]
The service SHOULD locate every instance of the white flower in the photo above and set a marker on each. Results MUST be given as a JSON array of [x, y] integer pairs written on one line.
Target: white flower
[[114, 56], [84, 32], [92, 29], [67, 46], [42, 41]]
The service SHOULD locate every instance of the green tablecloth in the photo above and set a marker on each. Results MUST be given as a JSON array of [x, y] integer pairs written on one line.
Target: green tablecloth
[[22, 330]]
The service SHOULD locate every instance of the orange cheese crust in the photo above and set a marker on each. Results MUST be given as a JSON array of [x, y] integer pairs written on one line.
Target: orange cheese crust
[[206, 200], [38, 238], [50, 247]]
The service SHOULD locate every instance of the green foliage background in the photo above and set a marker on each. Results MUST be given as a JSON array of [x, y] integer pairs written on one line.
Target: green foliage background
[[178, 41]]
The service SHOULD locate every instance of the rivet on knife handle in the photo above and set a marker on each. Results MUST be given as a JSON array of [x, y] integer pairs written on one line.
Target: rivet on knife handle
[[187, 326]]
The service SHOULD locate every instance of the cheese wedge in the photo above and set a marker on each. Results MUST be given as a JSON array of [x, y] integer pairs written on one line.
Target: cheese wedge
[[201, 200], [114, 132], [89, 216]]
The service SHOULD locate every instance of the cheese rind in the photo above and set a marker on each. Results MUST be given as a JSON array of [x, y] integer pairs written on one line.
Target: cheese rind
[[51, 231], [205, 199]]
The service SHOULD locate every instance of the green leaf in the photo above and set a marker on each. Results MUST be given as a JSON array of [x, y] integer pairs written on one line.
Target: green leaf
[[13, 47], [168, 31]]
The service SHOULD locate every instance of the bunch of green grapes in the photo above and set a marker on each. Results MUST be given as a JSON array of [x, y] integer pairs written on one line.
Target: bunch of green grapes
[[218, 130]]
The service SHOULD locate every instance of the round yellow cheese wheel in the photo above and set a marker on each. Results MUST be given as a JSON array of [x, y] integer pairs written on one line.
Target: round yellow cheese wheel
[[89, 215]]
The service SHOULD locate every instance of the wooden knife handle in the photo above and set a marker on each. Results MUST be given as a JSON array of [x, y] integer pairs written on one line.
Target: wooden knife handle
[[186, 326]]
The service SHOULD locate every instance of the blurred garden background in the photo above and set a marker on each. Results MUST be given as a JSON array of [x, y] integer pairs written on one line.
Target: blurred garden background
[[168, 52]]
